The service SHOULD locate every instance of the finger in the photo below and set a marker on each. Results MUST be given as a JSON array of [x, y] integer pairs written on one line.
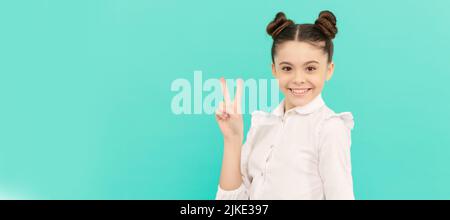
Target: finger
[[222, 116], [219, 118], [226, 94], [238, 97], [220, 109], [220, 112]]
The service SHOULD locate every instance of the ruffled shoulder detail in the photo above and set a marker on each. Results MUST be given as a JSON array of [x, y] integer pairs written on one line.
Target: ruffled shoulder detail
[[346, 117], [335, 125]]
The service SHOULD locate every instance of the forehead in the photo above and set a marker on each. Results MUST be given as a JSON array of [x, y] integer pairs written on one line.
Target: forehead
[[300, 52]]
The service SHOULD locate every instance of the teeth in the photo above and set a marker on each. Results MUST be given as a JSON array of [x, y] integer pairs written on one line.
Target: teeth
[[299, 91]]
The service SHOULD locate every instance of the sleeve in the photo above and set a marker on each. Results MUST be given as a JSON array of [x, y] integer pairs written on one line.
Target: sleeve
[[242, 192], [334, 156]]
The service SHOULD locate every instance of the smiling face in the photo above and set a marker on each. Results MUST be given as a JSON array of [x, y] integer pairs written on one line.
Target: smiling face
[[301, 69]]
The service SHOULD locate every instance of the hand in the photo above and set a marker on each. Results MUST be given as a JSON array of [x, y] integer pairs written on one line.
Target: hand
[[229, 113]]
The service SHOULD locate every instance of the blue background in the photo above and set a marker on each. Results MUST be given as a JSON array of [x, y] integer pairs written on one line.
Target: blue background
[[85, 93]]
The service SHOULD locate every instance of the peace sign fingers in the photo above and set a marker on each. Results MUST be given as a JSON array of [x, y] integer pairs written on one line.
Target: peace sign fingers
[[226, 94], [228, 113], [232, 107]]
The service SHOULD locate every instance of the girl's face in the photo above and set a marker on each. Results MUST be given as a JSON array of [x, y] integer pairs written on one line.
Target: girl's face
[[301, 69]]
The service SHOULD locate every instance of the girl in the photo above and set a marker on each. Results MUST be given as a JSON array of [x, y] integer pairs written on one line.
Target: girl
[[301, 150]]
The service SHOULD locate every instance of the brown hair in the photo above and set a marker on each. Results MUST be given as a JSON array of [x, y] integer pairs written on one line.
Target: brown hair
[[323, 30]]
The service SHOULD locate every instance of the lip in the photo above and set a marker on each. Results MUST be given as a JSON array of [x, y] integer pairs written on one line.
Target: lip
[[299, 92]]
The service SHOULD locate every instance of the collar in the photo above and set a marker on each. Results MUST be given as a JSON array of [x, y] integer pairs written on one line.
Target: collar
[[309, 108]]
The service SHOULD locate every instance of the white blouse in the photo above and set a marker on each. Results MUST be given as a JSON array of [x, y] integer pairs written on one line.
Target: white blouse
[[302, 154]]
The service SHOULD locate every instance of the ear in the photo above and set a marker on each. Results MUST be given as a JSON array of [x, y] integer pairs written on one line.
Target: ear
[[330, 71], [274, 71]]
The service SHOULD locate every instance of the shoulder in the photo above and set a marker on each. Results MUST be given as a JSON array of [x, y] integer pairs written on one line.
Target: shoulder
[[335, 128], [333, 122]]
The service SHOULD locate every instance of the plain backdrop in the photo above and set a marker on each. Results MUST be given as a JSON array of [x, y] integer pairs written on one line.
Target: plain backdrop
[[85, 93]]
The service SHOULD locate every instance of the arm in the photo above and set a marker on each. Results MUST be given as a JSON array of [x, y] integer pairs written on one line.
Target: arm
[[334, 160], [230, 122], [230, 175]]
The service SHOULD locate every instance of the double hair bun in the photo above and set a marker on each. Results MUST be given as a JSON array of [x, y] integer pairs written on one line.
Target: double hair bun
[[326, 23]]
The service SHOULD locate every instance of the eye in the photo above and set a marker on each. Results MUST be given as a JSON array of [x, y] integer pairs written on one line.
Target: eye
[[286, 68], [310, 69]]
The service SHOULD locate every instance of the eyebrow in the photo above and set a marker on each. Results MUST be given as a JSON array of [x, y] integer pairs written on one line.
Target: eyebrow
[[304, 64]]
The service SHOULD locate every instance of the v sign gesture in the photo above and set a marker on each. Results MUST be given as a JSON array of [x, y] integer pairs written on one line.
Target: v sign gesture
[[229, 113], [230, 121]]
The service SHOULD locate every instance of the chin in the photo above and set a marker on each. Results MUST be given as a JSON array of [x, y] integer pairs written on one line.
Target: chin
[[299, 103]]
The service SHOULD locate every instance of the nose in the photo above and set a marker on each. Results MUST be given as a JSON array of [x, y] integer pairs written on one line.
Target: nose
[[299, 77]]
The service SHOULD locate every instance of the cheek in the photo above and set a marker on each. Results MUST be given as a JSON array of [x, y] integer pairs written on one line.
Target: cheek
[[282, 81], [318, 82]]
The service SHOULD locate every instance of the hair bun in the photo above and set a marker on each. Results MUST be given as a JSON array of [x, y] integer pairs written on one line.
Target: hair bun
[[279, 23], [327, 24]]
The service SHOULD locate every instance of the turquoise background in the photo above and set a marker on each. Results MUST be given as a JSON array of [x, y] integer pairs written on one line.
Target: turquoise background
[[85, 93]]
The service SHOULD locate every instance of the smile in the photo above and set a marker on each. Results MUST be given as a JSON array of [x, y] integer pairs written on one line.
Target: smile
[[299, 92]]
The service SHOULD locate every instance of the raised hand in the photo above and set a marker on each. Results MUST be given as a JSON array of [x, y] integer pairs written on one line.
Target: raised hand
[[229, 113]]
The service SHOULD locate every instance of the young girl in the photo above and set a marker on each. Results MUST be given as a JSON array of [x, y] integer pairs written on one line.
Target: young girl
[[301, 150]]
